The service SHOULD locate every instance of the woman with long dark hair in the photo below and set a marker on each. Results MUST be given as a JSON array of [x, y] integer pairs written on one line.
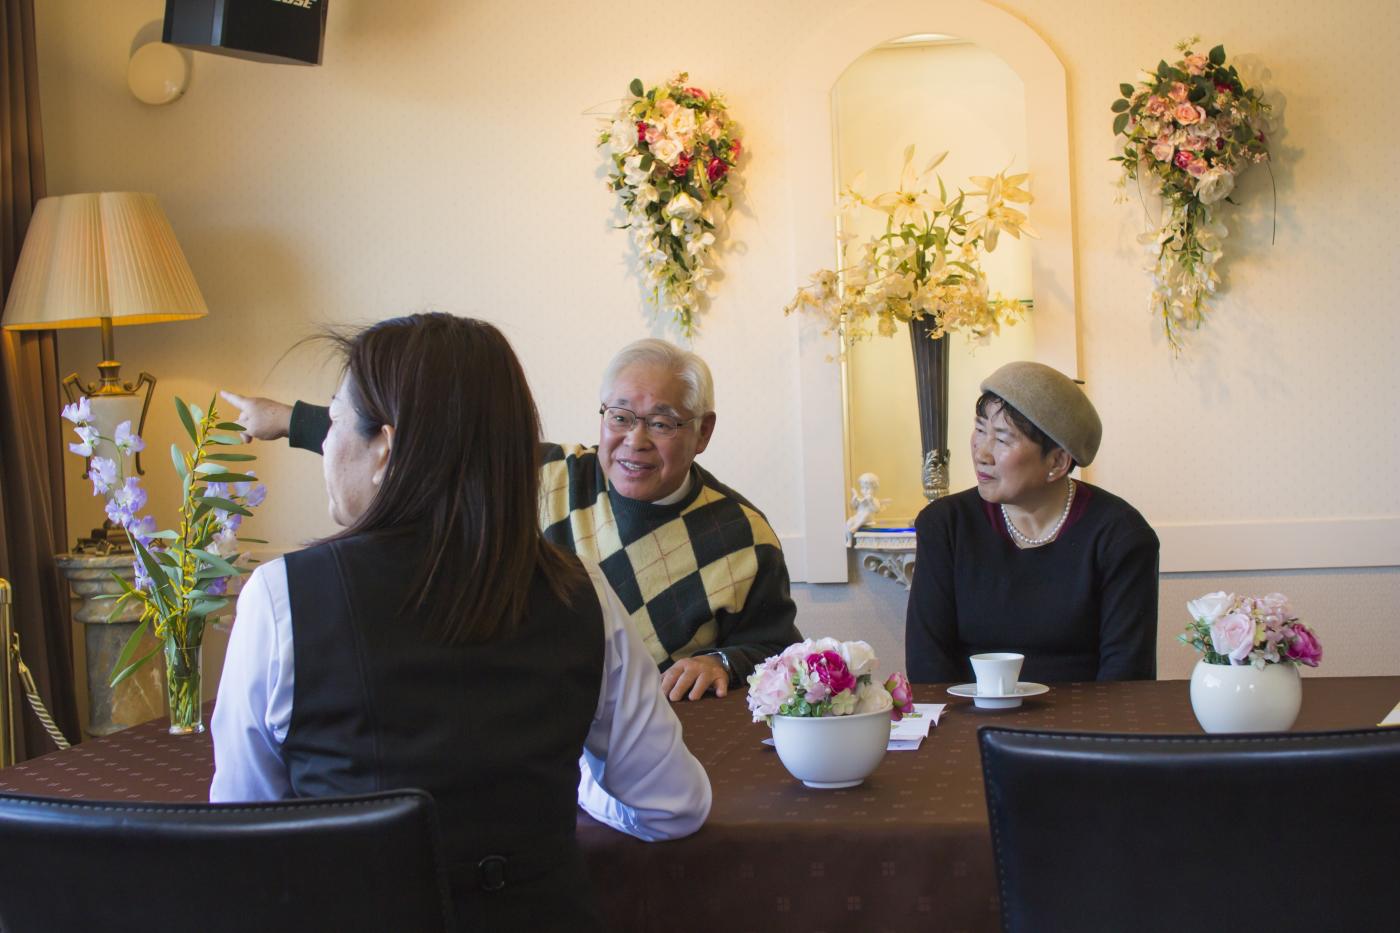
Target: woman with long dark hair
[[440, 642]]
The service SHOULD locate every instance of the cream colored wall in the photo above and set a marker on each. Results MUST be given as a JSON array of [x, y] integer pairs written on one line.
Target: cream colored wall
[[967, 102], [441, 158]]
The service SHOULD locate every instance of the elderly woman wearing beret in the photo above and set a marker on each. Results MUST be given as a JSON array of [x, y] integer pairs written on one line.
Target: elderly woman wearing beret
[[1032, 560]]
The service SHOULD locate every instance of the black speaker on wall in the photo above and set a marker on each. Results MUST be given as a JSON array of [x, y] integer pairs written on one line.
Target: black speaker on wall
[[284, 32]]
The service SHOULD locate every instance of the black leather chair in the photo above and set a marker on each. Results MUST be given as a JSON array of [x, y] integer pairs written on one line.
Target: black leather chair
[[1275, 833], [341, 863]]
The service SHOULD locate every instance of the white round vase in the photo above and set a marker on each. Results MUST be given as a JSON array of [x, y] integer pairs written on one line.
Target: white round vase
[[832, 751], [1241, 698]]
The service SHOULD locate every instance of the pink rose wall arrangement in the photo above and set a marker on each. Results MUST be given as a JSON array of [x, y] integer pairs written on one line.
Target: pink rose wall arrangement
[[674, 153], [1189, 129]]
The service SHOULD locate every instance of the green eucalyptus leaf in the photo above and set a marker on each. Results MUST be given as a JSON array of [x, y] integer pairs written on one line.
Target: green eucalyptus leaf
[[1119, 106], [636, 87], [230, 426], [178, 459], [251, 540], [157, 575], [215, 561], [226, 477], [133, 667], [206, 607], [230, 458], [186, 419], [166, 535], [227, 505], [226, 440], [123, 662]]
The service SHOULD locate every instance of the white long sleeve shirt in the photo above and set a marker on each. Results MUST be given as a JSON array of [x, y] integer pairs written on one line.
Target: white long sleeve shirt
[[636, 775]]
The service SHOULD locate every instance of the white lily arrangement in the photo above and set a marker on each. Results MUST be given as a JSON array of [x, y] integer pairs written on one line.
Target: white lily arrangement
[[926, 265]]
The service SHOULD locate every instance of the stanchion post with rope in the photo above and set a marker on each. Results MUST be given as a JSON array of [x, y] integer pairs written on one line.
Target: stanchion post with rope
[[13, 664]]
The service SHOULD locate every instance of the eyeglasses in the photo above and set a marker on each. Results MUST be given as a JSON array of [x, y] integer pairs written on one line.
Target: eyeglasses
[[623, 420]]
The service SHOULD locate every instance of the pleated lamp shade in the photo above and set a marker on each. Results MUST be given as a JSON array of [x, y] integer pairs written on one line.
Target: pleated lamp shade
[[88, 257]]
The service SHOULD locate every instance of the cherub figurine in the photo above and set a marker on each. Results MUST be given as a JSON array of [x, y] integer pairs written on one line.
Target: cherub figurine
[[864, 504]]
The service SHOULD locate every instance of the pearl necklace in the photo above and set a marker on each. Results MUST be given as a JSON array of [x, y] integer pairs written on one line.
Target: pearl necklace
[[1049, 536]]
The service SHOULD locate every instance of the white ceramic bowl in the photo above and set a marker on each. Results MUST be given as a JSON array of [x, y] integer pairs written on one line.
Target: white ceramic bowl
[[832, 751], [1242, 698]]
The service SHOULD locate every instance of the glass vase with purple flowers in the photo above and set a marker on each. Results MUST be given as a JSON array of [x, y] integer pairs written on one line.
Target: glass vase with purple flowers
[[182, 573]]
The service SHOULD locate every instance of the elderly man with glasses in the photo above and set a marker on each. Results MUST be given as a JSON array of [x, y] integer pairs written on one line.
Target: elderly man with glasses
[[697, 567]]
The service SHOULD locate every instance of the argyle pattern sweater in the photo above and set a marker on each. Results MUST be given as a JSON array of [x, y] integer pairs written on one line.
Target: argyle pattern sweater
[[705, 574]]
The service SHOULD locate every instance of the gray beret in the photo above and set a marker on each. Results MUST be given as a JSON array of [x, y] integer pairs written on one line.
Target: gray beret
[[1052, 402]]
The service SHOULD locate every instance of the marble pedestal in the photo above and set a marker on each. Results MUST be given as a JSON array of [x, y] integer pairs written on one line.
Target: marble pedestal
[[886, 552], [142, 695]]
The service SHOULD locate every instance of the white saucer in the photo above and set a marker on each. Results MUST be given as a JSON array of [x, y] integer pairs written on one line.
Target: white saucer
[[1004, 701]]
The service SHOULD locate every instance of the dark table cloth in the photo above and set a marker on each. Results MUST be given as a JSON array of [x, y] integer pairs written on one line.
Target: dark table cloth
[[906, 850]]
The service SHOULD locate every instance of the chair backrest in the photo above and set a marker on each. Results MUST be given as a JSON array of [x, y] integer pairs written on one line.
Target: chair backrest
[[341, 863], [1135, 832]]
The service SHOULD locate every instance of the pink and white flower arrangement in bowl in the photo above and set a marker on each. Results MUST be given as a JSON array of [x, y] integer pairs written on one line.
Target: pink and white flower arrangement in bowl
[[1247, 678], [830, 716]]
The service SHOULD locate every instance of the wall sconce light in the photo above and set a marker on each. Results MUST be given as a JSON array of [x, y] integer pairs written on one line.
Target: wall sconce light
[[158, 73]]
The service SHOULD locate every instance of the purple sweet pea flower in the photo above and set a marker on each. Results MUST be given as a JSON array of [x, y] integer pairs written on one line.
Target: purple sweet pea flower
[[216, 490], [88, 436], [255, 496], [224, 543], [127, 442], [143, 580], [142, 529], [216, 587], [103, 473], [79, 412], [126, 501]]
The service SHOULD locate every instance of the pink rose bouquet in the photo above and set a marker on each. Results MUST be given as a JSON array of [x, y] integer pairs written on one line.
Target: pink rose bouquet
[[1191, 127], [825, 677], [1258, 630]]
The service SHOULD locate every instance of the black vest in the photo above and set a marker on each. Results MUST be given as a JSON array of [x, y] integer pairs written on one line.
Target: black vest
[[493, 731]]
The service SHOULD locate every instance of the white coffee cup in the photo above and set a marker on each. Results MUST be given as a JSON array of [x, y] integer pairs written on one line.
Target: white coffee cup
[[997, 673]]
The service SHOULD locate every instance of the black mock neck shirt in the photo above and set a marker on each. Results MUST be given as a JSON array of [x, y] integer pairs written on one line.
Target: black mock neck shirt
[[1083, 607]]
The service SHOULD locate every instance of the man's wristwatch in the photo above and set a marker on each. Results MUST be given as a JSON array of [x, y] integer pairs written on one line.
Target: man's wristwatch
[[724, 659]]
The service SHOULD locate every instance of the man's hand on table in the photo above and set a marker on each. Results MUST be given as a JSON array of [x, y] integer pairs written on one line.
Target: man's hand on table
[[265, 419], [692, 678]]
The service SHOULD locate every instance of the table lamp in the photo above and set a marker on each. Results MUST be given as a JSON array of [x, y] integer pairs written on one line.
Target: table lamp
[[103, 260]]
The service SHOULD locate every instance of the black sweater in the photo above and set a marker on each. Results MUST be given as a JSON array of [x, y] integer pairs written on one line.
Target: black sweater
[[1083, 607]]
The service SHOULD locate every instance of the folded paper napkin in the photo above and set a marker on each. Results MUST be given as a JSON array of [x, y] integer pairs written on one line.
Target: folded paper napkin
[[1392, 718]]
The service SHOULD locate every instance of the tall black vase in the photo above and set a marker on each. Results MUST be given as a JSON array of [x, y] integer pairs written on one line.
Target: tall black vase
[[931, 386]]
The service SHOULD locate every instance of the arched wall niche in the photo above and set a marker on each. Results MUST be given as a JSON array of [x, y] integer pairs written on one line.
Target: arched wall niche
[[815, 65]]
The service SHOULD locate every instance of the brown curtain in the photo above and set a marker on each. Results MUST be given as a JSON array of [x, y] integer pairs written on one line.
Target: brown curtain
[[32, 508]]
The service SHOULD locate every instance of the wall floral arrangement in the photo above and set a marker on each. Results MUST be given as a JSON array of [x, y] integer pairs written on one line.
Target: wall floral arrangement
[[1190, 128], [674, 152]]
